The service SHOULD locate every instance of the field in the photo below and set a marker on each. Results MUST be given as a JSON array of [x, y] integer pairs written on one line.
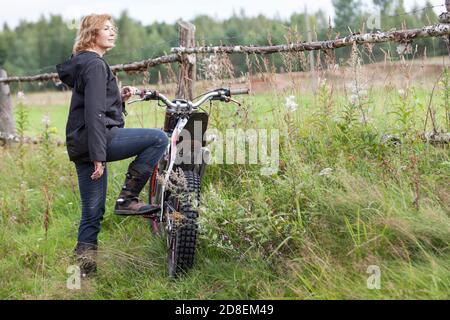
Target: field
[[344, 201]]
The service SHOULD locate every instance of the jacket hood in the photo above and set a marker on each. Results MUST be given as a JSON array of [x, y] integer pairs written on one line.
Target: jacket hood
[[69, 70]]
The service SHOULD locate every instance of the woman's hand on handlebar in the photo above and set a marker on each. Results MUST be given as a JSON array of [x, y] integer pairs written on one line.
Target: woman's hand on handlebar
[[127, 92]]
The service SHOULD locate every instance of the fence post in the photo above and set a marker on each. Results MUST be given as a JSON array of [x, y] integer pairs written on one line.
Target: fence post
[[445, 18], [186, 76], [7, 124]]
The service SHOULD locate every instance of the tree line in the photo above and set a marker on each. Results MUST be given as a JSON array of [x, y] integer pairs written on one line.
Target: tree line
[[36, 47]]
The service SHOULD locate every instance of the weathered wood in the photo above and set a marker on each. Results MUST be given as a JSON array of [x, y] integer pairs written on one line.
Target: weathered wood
[[38, 77], [126, 67], [7, 123], [144, 64], [445, 18], [437, 30], [186, 76], [436, 138], [8, 138]]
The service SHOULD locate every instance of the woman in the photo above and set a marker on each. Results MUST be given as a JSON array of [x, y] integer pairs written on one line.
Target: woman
[[95, 134]]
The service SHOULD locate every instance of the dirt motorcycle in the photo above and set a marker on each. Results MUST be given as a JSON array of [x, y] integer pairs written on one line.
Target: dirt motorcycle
[[176, 179]]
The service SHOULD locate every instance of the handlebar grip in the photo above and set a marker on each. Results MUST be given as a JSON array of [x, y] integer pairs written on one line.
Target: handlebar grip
[[239, 91]]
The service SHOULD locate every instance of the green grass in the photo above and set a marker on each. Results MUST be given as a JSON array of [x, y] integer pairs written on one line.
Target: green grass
[[293, 235]]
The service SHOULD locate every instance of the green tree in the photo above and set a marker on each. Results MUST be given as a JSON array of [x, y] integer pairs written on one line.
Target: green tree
[[347, 15]]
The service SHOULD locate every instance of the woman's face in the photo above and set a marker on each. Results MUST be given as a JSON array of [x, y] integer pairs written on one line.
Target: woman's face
[[106, 36]]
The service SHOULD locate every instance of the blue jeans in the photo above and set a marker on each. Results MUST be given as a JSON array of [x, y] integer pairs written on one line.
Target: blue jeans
[[147, 144]]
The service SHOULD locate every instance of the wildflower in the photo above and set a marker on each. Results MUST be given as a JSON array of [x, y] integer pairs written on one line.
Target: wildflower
[[404, 48], [401, 92], [354, 99], [210, 67], [46, 120], [326, 172], [290, 105], [21, 95]]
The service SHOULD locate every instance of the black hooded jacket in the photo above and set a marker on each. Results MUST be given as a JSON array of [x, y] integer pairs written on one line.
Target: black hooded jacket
[[96, 106]]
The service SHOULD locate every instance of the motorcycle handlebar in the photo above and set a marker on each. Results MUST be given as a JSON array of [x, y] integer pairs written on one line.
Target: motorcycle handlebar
[[219, 94], [233, 92]]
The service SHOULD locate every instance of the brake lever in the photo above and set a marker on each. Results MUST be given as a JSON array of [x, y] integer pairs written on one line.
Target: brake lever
[[228, 99]]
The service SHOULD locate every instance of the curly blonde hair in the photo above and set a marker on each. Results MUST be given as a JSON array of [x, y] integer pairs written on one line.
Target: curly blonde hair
[[88, 31]]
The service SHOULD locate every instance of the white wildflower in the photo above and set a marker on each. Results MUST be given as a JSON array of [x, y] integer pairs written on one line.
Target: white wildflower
[[290, 105], [326, 172], [21, 95], [401, 92], [354, 99], [46, 120], [210, 67], [404, 48]]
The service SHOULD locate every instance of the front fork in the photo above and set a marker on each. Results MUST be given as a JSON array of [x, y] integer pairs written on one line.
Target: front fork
[[172, 153], [167, 163]]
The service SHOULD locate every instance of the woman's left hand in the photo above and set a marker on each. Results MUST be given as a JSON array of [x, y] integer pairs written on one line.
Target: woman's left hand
[[98, 170], [127, 92]]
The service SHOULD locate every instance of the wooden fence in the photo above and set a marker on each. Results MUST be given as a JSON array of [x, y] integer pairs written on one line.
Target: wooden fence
[[186, 53]]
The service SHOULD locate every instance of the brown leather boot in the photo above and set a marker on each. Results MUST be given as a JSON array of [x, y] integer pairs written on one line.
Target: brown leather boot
[[128, 203], [86, 255]]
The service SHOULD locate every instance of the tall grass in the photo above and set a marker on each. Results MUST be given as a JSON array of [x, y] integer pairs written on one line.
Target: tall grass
[[342, 200]]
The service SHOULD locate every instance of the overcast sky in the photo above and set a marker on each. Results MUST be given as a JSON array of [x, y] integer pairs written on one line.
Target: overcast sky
[[148, 11]]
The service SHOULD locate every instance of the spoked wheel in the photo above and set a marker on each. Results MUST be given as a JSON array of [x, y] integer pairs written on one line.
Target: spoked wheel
[[182, 227]]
